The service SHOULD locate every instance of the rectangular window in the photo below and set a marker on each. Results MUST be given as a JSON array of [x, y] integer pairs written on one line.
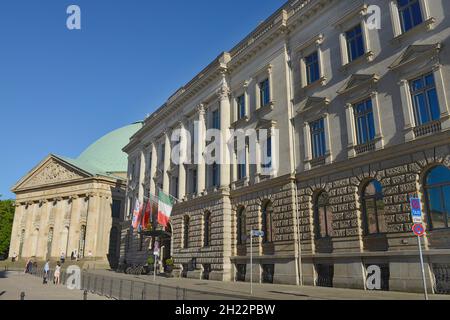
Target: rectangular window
[[355, 43], [242, 164], [425, 100], [267, 156], [194, 181], [365, 124], [318, 138], [264, 93], [116, 208], [215, 175], [312, 68], [410, 14], [216, 120], [241, 112]]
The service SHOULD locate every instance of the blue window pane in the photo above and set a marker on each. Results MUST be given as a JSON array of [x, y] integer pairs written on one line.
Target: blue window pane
[[429, 80], [439, 175], [437, 211], [416, 13], [421, 109], [371, 124], [417, 84], [434, 105]]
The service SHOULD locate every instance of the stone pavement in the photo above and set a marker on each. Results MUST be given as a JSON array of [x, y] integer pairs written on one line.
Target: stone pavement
[[214, 290], [13, 283]]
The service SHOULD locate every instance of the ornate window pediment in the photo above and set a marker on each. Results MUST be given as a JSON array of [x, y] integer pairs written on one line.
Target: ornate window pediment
[[417, 57], [313, 102], [359, 82]]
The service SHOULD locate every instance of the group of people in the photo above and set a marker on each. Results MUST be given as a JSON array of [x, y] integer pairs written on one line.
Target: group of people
[[56, 274], [30, 266]]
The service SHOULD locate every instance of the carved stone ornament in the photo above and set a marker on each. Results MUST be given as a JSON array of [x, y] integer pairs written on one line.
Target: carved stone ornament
[[51, 173]]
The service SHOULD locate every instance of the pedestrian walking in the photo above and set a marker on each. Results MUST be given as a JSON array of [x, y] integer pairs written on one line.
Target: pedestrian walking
[[57, 276], [46, 272], [28, 266], [14, 257], [62, 257]]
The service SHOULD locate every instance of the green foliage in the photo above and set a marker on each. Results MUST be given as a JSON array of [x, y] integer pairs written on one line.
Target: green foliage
[[6, 222], [150, 260], [169, 262]]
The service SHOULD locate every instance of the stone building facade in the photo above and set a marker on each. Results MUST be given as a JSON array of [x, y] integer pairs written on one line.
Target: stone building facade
[[359, 117], [74, 205]]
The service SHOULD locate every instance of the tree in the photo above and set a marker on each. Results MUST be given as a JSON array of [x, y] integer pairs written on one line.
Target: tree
[[6, 223]]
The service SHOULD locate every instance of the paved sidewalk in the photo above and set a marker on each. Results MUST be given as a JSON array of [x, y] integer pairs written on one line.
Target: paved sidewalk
[[13, 283], [214, 290]]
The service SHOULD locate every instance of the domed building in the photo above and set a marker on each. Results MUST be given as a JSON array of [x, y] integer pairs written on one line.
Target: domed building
[[70, 206]]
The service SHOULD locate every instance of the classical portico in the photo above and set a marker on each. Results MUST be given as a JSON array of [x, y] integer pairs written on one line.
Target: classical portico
[[66, 206]]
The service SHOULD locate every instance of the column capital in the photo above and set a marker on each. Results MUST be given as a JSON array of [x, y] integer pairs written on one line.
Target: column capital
[[223, 92], [201, 109]]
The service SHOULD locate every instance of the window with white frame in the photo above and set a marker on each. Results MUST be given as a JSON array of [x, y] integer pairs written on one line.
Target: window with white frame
[[354, 43], [408, 15], [311, 61], [241, 107], [312, 68], [425, 99], [354, 37], [264, 92], [318, 147], [364, 122], [422, 90]]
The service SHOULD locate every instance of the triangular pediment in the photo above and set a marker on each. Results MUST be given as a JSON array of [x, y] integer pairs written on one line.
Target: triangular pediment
[[357, 81], [415, 52], [51, 171], [313, 102]]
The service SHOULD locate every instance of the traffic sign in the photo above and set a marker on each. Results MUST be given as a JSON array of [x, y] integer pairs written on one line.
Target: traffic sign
[[416, 210], [419, 230]]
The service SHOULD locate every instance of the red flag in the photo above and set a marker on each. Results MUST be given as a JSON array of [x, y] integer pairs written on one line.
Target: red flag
[[146, 217]]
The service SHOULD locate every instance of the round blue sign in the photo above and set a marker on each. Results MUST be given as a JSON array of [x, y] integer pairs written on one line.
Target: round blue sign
[[419, 230]]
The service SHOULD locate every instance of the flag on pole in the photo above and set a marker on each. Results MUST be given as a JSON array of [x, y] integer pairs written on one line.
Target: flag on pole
[[165, 205], [146, 215], [136, 215]]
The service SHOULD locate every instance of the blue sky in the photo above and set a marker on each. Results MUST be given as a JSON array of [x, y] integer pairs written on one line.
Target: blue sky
[[61, 90]]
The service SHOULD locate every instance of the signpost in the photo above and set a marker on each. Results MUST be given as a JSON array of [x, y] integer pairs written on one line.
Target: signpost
[[419, 231], [259, 234]]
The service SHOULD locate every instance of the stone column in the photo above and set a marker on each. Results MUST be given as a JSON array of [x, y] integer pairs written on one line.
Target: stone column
[[183, 159], [167, 163], [200, 149], [407, 110], [141, 175], [92, 221], [351, 143], [15, 232], [74, 227], [225, 111], [153, 163]]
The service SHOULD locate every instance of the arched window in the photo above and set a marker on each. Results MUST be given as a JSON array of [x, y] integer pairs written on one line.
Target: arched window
[[207, 229], [267, 219], [186, 232], [241, 227], [373, 208], [437, 190], [322, 217]]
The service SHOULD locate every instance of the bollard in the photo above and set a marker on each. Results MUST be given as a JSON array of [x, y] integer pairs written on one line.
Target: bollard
[[22, 295], [159, 292], [85, 294], [184, 294], [120, 289], [103, 286], [176, 293], [111, 288]]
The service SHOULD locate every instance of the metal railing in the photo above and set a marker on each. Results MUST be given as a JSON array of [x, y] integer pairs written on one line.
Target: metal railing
[[119, 288]]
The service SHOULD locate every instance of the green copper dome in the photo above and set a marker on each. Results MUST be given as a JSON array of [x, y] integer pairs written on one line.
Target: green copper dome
[[106, 153]]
